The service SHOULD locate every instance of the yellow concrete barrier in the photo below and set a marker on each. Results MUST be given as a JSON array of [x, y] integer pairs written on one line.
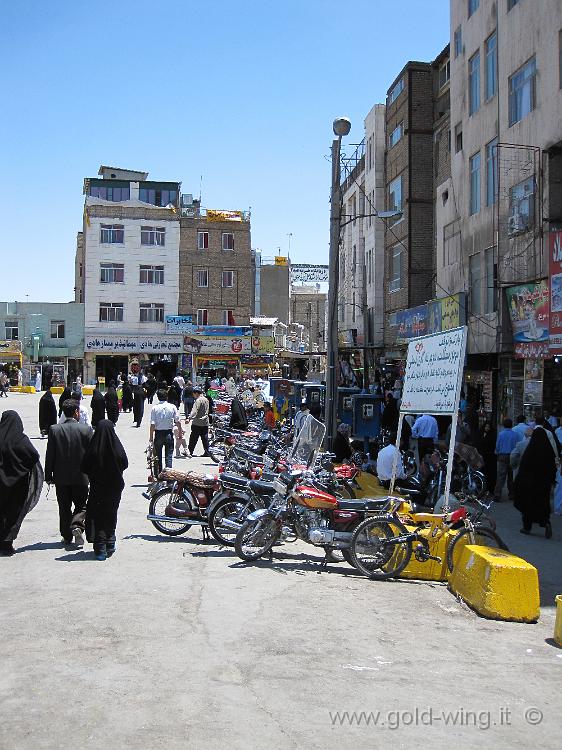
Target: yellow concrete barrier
[[558, 623], [22, 389], [58, 389], [87, 390], [431, 570], [497, 584]]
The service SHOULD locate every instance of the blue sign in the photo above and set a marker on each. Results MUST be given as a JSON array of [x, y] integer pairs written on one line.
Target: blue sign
[[411, 323]]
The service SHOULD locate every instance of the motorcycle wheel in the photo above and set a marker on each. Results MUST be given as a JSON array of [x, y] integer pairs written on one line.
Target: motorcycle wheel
[[256, 538], [477, 486], [228, 508], [477, 535], [157, 507], [216, 451], [346, 554], [370, 553]]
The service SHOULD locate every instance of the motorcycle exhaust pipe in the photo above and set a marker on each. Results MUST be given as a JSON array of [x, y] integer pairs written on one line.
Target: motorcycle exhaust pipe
[[182, 521], [229, 524]]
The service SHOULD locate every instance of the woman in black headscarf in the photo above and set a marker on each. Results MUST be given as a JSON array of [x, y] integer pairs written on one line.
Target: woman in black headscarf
[[238, 418], [98, 407], [139, 395], [127, 397], [47, 412], [112, 402], [21, 479], [65, 396], [174, 394], [104, 462], [150, 386], [534, 480], [390, 415]]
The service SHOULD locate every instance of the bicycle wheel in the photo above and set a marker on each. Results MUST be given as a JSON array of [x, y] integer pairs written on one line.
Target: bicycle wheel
[[372, 552], [472, 535]]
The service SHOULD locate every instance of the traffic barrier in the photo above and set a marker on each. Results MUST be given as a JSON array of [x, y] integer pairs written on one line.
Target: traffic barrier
[[22, 389], [87, 390], [431, 570], [58, 389], [558, 623], [496, 584]]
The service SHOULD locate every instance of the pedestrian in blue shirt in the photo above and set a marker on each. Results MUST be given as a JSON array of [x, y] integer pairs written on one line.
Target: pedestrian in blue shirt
[[506, 442]]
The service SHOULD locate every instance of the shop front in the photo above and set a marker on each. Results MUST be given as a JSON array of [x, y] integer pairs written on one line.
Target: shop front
[[11, 359], [217, 350], [107, 355], [256, 366]]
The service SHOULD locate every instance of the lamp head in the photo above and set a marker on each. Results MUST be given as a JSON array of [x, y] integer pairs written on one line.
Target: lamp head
[[342, 126]]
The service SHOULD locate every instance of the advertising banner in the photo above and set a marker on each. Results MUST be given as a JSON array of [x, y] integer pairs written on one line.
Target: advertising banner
[[204, 331], [411, 323], [555, 272], [529, 311], [533, 384], [307, 273], [136, 344], [179, 323], [218, 215], [215, 345]]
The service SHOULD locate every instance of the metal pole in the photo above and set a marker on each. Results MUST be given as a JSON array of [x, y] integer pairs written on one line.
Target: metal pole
[[366, 332], [333, 278]]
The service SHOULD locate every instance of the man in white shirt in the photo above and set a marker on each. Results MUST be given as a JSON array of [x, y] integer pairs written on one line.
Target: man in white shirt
[[163, 417], [84, 416], [426, 431], [300, 416], [385, 461]]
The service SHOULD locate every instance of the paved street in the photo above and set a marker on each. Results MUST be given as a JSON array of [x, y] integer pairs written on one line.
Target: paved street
[[173, 643]]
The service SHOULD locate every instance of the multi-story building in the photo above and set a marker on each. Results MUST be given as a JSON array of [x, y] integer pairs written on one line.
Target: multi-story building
[[127, 272], [503, 198]]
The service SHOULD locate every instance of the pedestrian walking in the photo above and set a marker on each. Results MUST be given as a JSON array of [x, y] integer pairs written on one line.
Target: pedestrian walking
[[517, 453], [65, 396], [506, 442], [180, 444], [199, 418], [536, 475], [127, 397], [21, 479], [138, 394], [488, 451], [65, 450], [104, 462], [238, 418], [390, 415], [268, 417], [98, 407], [426, 431], [342, 444], [150, 387], [163, 417], [187, 398], [174, 394], [84, 416], [112, 402], [47, 412]]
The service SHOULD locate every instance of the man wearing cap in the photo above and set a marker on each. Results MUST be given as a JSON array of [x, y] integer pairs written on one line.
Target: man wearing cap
[[199, 418], [163, 417]]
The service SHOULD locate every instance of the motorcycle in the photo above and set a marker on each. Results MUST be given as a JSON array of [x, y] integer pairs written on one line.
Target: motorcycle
[[179, 500]]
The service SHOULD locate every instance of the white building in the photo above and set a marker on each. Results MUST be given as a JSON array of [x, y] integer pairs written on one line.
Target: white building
[[127, 270]]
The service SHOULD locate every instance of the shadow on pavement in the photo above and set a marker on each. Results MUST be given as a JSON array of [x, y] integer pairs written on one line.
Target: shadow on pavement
[[41, 546], [164, 538], [77, 556]]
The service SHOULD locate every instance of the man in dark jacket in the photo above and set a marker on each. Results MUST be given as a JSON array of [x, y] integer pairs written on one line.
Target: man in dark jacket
[[66, 446]]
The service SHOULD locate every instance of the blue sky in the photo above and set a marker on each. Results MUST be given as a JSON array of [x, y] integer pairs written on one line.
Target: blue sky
[[243, 94]]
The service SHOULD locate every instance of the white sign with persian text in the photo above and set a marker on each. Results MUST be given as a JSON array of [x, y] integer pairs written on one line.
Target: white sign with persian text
[[433, 376], [308, 273], [133, 344], [179, 324]]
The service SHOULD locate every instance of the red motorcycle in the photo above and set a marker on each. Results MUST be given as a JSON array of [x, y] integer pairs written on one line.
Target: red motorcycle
[[179, 500]]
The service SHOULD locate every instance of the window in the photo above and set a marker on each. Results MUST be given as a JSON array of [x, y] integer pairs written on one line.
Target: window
[[112, 273], [457, 41], [395, 136], [151, 275], [474, 167], [395, 269], [522, 206], [57, 329], [12, 330], [158, 197], [111, 311], [228, 318], [151, 312], [81, 270], [203, 278], [475, 281], [490, 295], [491, 85], [474, 83], [522, 92], [112, 234], [202, 240], [511, 4], [395, 195], [444, 74], [458, 138], [227, 241], [202, 316], [153, 236], [227, 279], [491, 172], [473, 6], [395, 91], [110, 193]]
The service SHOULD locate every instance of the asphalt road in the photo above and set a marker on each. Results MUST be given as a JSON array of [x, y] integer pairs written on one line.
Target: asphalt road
[[173, 643]]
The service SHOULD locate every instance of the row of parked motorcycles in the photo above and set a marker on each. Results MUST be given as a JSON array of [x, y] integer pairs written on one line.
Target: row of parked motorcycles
[[274, 489]]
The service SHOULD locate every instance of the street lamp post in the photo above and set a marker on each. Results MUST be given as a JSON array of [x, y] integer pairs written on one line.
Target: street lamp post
[[341, 127]]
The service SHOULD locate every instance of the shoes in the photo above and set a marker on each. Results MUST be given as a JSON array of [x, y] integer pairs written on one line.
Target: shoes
[[110, 550], [525, 531], [7, 549], [78, 538], [548, 530], [101, 555]]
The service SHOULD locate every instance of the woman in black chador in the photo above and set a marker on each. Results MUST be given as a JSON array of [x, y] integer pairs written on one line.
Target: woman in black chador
[[98, 407], [104, 462], [139, 395], [21, 479], [127, 398], [112, 403], [534, 480], [47, 412], [238, 418], [65, 395]]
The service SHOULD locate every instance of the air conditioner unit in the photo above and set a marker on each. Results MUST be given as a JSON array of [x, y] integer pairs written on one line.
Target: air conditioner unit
[[516, 223]]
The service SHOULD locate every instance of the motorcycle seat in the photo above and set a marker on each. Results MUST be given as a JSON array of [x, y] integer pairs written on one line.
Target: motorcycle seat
[[233, 480], [363, 505], [261, 488]]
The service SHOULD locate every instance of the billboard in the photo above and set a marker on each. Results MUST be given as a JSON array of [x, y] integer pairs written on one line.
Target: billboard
[[411, 323], [529, 311], [555, 273], [179, 323], [222, 331], [216, 345], [307, 273]]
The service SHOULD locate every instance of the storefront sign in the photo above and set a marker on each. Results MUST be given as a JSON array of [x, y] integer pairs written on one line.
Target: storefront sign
[[281, 260], [179, 323], [263, 345], [446, 313], [533, 384], [555, 271], [10, 346], [186, 361], [529, 310], [133, 344], [411, 323], [216, 345], [218, 215], [306, 273], [433, 374], [203, 331]]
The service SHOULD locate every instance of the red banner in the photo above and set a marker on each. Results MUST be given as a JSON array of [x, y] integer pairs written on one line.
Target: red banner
[[555, 272]]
